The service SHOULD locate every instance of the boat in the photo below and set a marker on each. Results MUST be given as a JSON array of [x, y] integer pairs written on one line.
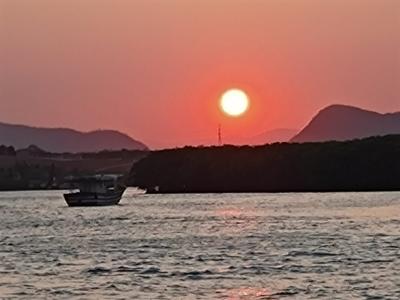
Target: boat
[[97, 190]]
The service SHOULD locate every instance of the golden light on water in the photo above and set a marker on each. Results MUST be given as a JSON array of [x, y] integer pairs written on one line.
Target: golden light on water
[[234, 102], [248, 293]]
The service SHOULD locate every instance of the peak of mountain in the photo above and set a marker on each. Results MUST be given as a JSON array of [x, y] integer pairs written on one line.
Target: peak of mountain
[[343, 122], [66, 140]]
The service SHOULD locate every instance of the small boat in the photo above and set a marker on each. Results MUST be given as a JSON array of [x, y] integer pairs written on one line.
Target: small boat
[[97, 190]]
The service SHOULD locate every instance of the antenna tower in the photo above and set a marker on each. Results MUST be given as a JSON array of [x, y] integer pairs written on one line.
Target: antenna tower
[[219, 135]]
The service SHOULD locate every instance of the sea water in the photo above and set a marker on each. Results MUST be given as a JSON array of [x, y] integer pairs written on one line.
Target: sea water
[[209, 246]]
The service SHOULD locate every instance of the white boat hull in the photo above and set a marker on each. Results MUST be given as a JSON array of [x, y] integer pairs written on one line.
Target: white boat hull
[[94, 199]]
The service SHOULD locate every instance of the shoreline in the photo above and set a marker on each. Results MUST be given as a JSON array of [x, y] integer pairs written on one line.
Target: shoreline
[[231, 192]]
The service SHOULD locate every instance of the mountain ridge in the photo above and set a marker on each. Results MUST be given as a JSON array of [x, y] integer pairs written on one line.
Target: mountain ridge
[[343, 122], [66, 139]]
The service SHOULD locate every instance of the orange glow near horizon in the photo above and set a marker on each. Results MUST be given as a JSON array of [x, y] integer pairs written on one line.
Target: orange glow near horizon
[[168, 94]]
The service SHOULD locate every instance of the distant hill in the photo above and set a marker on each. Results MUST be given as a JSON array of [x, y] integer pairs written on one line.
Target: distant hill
[[31, 151], [341, 122], [273, 136], [267, 137], [66, 140]]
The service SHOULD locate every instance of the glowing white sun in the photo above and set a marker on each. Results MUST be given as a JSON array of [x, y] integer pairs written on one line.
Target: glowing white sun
[[234, 102]]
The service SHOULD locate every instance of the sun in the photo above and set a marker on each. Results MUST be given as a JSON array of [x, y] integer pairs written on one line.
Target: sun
[[234, 102]]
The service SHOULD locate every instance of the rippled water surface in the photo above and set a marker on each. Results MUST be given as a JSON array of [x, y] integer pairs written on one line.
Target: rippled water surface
[[229, 246]]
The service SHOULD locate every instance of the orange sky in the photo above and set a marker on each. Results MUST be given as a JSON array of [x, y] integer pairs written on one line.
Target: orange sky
[[155, 68]]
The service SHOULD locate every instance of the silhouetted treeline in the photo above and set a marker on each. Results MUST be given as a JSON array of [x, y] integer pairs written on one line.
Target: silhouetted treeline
[[33, 168], [359, 165], [7, 150], [115, 154]]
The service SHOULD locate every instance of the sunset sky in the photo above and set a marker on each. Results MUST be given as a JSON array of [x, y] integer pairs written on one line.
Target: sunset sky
[[155, 69]]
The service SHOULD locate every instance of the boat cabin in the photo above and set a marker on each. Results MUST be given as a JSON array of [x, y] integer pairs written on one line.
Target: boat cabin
[[97, 184]]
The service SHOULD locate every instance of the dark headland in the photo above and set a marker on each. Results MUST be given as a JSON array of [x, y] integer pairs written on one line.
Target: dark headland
[[370, 164]]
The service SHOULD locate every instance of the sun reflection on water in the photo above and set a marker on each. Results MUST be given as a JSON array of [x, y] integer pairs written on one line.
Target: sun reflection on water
[[237, 219], [247, 293]]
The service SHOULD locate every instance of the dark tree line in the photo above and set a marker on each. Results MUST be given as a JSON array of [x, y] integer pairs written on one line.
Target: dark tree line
[[33, 168], [359, 165], [115, 154], [7, 150]]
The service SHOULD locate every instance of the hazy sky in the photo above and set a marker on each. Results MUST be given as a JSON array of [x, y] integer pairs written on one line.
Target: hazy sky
[[155, 68]]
